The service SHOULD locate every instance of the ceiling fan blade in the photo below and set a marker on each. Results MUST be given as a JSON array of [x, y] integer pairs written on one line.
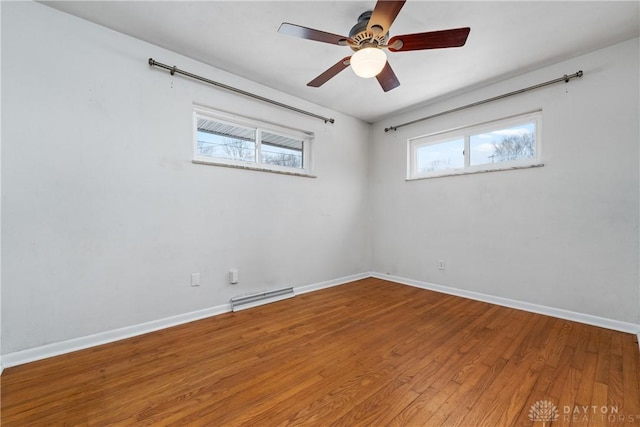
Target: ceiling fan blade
[[330, 73], [311, 34], [384, 14], [387, 78], [432, 40]]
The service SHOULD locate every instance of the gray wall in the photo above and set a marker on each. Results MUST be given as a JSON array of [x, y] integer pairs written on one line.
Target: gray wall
[[564, 235], [105, 217]]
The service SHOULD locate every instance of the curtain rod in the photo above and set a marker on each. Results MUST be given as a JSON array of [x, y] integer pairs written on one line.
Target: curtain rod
[[564, 78], [173, 70]]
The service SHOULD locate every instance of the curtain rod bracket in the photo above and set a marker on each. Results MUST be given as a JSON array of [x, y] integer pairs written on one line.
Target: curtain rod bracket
[[564, 78], [173, 70]]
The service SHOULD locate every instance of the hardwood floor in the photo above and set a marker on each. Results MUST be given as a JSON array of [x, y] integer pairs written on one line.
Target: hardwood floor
[[369, 353]]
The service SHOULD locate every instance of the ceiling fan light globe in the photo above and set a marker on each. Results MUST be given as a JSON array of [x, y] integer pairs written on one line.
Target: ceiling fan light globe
[[368, 62]]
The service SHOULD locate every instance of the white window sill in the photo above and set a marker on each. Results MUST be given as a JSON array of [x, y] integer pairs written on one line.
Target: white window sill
[[472, 172], [254, 168]]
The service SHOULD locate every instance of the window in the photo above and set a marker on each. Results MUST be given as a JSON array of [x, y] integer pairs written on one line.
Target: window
[[226, 140], [503, 144]]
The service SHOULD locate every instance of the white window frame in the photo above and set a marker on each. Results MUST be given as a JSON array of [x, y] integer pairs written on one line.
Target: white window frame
[[259, 127], [415, 143]]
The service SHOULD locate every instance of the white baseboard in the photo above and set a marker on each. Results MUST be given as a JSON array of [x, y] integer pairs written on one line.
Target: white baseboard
[[75, 344], [56, 349], [520, 305], [330, 283]]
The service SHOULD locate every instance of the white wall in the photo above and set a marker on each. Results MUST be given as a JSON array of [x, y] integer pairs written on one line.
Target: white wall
[[105, 217], [564, 235], [0, 198]]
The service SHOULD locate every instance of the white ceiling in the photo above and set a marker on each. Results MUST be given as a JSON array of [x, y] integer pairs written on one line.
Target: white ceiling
[[507, 38]]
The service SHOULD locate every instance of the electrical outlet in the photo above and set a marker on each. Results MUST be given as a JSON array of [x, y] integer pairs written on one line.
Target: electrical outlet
[[440, 265], [195, 279], [233, 276]]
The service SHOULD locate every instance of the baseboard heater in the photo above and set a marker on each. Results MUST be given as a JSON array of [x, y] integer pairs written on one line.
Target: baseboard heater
[[254, 300]]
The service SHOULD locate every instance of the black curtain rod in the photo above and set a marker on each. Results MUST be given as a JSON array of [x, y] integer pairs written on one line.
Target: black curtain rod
[[564, 78], [173, 70]]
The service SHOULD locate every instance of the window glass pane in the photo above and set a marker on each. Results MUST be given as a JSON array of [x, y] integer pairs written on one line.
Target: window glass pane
[[281, 150], [226, 141], [440, 156], [514, 143]]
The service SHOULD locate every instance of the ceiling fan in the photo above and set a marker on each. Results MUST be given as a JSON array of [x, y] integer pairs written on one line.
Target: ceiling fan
[[369, 37]]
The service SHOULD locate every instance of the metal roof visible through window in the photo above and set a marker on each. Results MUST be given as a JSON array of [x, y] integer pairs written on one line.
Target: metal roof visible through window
[[248, 134]]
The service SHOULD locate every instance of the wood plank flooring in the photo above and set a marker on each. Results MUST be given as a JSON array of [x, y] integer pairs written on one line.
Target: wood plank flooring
[[368, 353]]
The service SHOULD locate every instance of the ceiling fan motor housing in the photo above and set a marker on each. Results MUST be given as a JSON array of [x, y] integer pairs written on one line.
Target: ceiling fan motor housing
[[369, 37], [360, 35]]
